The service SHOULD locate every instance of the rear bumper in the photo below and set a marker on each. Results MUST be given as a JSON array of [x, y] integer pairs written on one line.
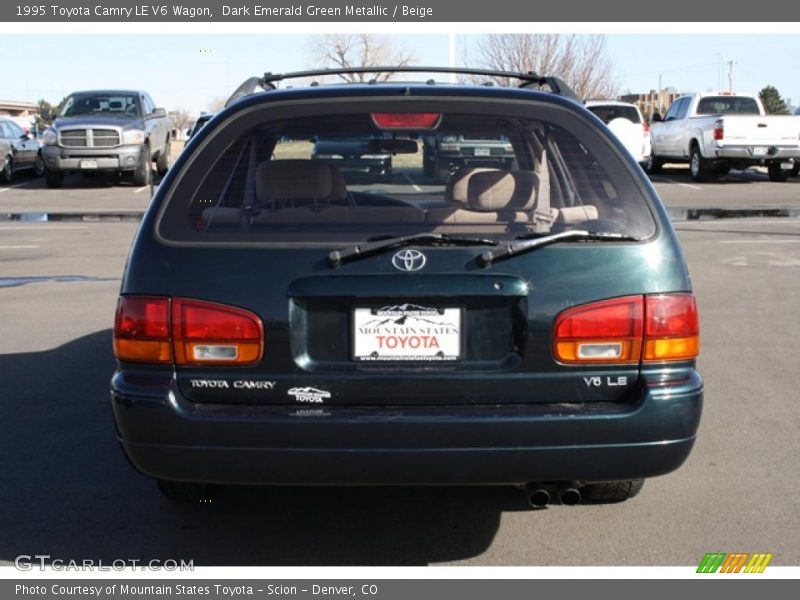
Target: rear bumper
[[167, 437], [749, 153]]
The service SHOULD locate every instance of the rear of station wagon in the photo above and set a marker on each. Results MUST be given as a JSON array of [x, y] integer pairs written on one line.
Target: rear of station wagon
[[280, 323]]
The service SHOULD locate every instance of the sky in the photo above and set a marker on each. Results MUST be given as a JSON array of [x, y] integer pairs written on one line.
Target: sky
[[189, 71]]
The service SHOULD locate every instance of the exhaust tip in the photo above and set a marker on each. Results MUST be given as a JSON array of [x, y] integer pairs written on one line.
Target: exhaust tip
[[539, 498], [570, 497]]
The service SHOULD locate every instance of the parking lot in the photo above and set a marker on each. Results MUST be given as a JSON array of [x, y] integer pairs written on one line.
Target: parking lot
[[69, 492]]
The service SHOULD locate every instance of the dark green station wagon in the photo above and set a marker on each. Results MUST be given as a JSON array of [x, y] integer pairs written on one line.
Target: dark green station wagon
[[281, 324]]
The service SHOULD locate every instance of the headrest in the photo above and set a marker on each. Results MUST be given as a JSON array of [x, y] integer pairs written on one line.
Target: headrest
[[338, 184], [293, 179], [115, 105], [455, 192], [502, 190]]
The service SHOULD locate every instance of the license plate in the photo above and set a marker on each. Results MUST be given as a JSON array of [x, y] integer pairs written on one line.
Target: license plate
[[407, 332], [88, 164], [759, 150], [483, 151]]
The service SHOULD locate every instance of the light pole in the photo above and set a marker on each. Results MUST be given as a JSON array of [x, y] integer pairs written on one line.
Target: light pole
[[660, 108]]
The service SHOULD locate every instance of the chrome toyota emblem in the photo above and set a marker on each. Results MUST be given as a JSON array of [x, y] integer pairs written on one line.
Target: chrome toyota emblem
[[409, 260]]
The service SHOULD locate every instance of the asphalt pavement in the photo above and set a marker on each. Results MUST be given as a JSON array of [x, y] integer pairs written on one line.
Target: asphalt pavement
[[69, 492]]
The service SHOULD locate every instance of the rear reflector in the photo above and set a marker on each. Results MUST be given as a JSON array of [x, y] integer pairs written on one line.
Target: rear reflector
[[406, 120], [186, 332], [629, 330]]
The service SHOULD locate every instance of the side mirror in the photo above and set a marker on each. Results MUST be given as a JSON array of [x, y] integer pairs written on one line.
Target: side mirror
[[159, 112], [657, 118]]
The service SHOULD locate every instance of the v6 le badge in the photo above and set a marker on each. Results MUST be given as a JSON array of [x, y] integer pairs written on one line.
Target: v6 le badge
[[606, 381]]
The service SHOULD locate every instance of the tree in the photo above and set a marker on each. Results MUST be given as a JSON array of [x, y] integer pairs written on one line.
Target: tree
[[46, 114], [346, 50], [772, 101], [181, 118], [217, 104], [581, 61]]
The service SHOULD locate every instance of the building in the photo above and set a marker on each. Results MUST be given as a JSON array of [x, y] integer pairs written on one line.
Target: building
[[22, 113], [653, 101]]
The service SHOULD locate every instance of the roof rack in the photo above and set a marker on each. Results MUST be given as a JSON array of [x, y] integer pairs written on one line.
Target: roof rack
[[528, 79]]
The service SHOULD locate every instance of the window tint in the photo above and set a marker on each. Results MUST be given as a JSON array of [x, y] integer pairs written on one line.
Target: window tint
[[683, 108], [609, 112], [321, 179], [89, 104], [727, 105]]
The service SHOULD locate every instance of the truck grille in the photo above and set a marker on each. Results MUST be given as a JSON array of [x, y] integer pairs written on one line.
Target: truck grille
[[90, 138]]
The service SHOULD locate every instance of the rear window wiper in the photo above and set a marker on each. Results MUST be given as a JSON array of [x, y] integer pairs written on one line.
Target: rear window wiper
[[337, 257], [524, 245]]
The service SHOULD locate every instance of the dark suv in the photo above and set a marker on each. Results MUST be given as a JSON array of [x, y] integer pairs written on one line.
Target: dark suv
[[531, 326]]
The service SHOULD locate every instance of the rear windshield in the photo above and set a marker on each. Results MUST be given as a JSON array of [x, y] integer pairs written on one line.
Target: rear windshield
[[727, 105], [336, 178], [609, 112], [90, 104]]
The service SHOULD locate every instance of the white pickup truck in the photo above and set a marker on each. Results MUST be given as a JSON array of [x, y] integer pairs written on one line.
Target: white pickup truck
[[719, 132]]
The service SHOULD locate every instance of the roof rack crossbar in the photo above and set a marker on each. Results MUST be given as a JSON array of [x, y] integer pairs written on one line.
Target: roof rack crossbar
[[527, 79]]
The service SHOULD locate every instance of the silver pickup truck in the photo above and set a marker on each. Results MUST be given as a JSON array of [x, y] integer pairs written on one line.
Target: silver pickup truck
[[117, 131], [718, 132]]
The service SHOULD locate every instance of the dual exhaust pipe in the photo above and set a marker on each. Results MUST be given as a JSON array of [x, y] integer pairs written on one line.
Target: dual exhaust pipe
[[540, 496]]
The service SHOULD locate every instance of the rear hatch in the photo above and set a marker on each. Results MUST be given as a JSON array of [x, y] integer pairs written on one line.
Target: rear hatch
[[405, 292]]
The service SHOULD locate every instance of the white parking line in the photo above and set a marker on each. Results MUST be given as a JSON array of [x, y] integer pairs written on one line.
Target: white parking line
[[24, 226], [141, 189], [17, 247], [414, 185], [13, 187], [758, 241], [687, 185]]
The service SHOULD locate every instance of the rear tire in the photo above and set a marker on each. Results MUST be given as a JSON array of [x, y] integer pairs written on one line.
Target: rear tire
[[652, 165], [54, 179], [776, 173], [698, 166], [8, 171], [612, 491], [796, 169], [162, 163], [184, 491], [38, 166], [143, 173]]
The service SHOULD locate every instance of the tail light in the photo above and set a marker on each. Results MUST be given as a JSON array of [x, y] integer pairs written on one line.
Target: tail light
[[406, 120], [719, 130], [141, 330], [186, 332], [646, 130], [672, 329], [629, 330]]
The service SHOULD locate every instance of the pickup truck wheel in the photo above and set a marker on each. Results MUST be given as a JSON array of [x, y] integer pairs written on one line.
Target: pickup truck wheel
[[8, 170], [54, 179], [776, 173], [183, 491], [142, 174], [612, 491], [162, 163], [698, 166]]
